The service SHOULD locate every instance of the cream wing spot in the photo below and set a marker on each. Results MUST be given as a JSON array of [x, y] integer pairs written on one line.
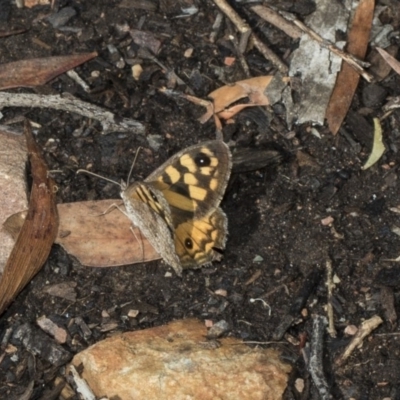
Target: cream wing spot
[[187, 161], [190, 179], [214, 184], [197, 193], [207, 171], [173, 174]]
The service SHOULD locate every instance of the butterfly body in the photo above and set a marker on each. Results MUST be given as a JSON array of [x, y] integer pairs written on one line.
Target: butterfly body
[[177, 206]]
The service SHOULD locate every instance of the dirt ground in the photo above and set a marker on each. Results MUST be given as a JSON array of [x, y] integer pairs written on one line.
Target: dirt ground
[[278, 244]]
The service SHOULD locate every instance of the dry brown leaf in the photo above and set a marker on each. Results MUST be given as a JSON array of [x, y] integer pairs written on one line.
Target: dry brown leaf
[[13, 196], [38, 232], [252, 88], [38, 71], [379, 67], [101, 240], [395, 64], [95, 236], [347, 80]]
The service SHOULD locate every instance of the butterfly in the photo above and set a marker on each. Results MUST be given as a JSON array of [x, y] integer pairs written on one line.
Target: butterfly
[[177, 206]]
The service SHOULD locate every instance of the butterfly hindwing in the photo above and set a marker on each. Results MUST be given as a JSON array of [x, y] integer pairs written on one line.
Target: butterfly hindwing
[[196, 240]]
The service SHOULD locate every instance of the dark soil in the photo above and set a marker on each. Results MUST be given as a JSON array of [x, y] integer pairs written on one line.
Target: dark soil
[[277, 242]]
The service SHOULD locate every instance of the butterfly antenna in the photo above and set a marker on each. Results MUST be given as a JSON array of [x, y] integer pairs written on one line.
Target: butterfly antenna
[[84, 171], [133, 164]]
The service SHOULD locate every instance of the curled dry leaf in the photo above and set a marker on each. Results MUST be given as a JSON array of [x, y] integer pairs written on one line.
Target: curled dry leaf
[[253, 88], [38, 71], [13, 197], [96, 235], [378, 148], [38, 232]]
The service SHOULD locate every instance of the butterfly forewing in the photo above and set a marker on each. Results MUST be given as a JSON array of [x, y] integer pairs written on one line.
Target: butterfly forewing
[[194, 180]]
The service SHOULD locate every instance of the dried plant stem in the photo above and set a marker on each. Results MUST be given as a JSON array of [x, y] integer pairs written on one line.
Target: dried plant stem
[[74, 105], [315, 365], [246, 34], [354, 62], [330, 285], [363, 331]]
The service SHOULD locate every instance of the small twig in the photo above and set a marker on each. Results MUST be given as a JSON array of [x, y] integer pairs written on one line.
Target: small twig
[[216, 27], [241, 25], [315, 365], [330, 286], [365, 329], [246, 34], [354, 62], [298, 302], [74, 105], [240, 55], [274, 18]]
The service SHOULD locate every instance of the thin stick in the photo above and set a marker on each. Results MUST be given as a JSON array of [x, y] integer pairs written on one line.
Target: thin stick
[[363, 331], [246, 34], [354, 62], [330, 285], [315, 365], [271, 16], [74, 105]]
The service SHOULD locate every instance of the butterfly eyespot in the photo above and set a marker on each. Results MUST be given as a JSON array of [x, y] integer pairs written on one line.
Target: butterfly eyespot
[[202, 160], [188, 243]]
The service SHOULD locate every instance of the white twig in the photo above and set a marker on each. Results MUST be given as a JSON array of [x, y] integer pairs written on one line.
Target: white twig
[[74, 105], [330, 285], [365, 329]]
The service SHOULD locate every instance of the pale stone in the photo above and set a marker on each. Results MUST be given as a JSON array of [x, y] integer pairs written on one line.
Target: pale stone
[[176, 362]]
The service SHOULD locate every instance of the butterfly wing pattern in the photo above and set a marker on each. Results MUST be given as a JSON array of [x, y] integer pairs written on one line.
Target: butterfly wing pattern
[[177, 206]]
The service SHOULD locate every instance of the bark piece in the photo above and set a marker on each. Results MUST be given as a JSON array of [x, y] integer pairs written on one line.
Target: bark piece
[[38, 343], [176, 362]]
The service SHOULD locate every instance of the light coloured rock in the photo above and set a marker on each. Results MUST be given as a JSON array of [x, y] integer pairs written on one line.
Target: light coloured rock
[[175, 361]]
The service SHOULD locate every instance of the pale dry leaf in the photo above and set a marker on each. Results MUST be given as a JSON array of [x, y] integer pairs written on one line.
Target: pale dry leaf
[[13, 157], [96, 233], [101, 238], [395, 64]]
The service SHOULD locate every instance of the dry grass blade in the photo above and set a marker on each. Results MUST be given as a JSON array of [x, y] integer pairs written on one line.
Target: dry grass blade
[[38, 232]]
